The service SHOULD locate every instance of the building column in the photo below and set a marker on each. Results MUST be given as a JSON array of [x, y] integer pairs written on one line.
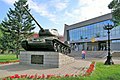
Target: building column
[[85, 45]]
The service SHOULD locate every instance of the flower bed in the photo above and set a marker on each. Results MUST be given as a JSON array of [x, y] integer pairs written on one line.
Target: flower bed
[[7, 62], [43, 76], [35, 77], [90, 69]]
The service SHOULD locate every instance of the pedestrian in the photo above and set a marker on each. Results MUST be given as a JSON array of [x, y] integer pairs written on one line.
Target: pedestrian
[[83, 54]]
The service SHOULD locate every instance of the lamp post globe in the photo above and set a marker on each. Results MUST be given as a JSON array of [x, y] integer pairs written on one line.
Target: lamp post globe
[[109, 57]]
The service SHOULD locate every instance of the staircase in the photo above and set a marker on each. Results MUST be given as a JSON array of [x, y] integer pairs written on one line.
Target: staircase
[[115, 53], [90, 54]]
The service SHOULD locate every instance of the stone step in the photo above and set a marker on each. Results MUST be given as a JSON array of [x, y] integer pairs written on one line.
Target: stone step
[[90, 54]]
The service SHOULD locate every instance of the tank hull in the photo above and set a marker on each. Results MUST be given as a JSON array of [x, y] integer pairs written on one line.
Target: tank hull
[[37, 46], [48, 45]]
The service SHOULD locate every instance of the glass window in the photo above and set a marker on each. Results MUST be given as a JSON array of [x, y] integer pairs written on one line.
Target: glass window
[[92, 30]]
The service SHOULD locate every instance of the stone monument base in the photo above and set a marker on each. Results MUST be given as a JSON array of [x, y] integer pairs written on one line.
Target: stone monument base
[[45, 59]]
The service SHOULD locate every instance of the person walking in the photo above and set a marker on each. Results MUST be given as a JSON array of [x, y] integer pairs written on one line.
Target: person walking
[[83, 54]]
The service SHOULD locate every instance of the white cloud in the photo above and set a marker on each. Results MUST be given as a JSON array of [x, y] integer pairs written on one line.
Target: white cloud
[[10, 2], [88, 9], [60, 4], [94, 8], [42, 9]]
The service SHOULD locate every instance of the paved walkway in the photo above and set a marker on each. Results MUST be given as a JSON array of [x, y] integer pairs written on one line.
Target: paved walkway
[[16, 68], [116, 60]]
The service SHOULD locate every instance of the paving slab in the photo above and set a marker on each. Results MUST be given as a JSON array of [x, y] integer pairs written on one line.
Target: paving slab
[[16, 68]]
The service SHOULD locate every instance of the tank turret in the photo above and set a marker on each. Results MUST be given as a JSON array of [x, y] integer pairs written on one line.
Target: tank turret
[[47, 41]]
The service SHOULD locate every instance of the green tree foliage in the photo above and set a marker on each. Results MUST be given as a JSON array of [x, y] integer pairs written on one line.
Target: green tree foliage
[[18, 24], [115, 7], [6, 40], [1, 40], [4, 43]]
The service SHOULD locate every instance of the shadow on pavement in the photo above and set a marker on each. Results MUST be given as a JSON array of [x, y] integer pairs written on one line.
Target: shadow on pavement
[[20, 67]]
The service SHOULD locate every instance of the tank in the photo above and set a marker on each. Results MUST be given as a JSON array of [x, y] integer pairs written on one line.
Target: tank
[[48, 41]]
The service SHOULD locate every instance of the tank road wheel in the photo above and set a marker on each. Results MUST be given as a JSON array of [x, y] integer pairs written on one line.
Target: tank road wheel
[[65, 50], [59, 48], [62, 49], [68, 50], [55, 47]]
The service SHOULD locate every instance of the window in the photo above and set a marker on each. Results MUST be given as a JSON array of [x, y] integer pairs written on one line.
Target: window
[[92, 30]]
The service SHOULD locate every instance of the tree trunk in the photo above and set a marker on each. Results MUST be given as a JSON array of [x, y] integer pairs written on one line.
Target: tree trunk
[[17, 56], [2, 52], [17, 53]]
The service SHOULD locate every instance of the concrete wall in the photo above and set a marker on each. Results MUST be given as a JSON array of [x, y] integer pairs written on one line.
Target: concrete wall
[[51, 59], [115, 46]]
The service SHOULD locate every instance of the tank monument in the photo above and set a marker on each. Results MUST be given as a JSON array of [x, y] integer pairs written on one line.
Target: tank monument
[[47, 50]]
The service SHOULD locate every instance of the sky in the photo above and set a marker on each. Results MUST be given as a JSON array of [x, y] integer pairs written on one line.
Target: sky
[[53, 14]]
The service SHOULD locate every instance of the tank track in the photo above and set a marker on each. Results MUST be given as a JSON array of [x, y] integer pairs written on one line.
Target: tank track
[[61, 47]]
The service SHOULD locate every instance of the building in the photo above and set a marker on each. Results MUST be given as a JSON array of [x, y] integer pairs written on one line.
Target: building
[[61, 38], [90, 34], [35, 35]]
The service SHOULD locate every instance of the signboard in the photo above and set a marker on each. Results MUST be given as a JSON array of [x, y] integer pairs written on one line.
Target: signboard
[[37, 59], [93, 39]]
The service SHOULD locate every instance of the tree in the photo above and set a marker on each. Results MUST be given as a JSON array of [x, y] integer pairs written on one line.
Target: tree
[[1, 43], [18, 24], [115, 7], [6, 40]]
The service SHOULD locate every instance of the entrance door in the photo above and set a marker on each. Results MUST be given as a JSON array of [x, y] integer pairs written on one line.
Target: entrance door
[[102, 45]]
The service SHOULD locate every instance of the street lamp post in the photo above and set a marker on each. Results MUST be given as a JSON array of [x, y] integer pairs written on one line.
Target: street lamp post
[[109, 57]]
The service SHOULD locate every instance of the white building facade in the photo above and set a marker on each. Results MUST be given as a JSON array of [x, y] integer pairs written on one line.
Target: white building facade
[[90, 34]]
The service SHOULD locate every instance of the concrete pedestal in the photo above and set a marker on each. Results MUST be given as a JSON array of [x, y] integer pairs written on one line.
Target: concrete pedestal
[[45, 59]]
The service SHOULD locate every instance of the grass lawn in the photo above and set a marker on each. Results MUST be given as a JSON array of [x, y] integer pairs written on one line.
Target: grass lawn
[[6, 58], [105, 72]]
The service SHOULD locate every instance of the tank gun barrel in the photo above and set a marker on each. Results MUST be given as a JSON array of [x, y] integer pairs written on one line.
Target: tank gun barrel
[[33, 18]]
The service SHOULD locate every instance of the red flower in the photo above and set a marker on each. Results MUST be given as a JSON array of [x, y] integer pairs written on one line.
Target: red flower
[[17, 76], [72, 75], [11, 77], [42, 76], [32, 76], [90, 69], [4, 79], [48, 76], [7, 62], [67, 75], [39, 77], [91, 65]]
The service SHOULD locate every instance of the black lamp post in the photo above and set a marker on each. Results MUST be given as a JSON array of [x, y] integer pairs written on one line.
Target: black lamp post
[[109, 57]]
